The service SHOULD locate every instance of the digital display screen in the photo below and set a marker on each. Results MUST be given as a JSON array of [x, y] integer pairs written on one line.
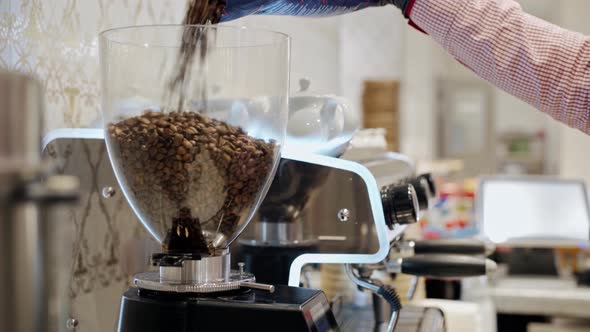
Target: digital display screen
[[319, 316]]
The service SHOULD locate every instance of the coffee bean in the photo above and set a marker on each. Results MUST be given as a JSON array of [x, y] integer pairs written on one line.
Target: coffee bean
[[187, 144], [228, 150], [178, 139]]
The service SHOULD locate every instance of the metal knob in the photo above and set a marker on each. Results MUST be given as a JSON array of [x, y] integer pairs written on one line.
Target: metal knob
[[428, 179], [71, 324], [400, 205], [423, 193]]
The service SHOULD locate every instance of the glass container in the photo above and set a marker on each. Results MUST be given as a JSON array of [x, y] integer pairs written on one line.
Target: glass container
[[194, 153]]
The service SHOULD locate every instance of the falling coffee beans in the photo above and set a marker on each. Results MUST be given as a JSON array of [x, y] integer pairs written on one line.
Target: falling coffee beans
[[194, 45], [194, 176]]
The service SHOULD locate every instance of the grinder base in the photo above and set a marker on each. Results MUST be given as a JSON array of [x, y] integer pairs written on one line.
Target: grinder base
[[287, 309]]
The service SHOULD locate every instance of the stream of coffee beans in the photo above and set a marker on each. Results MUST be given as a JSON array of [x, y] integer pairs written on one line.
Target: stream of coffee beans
[[195, 38], [192, 175]]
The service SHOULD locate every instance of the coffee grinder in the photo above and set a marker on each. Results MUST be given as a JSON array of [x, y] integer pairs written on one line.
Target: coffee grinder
[[195, 170]]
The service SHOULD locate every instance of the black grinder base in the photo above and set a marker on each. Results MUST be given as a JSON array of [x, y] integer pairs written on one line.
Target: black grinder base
[[287, 309]]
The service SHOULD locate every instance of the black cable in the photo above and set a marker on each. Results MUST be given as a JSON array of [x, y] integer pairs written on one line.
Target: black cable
[[390, 295]]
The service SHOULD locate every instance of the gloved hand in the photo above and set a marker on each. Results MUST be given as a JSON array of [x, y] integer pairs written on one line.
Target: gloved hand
[[403, 6], [235, 9]]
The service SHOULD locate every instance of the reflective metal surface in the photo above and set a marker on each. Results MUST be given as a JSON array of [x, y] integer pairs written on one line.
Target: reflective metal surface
[[151, 281], [21, 111], [36, 245], [276, 233], [387, 167], [212, 269], [35, 240], [253, 285], [295, 184], [381, 314], [320, 220]]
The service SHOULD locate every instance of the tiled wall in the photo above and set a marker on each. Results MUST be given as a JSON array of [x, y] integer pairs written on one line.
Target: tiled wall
[[57, 41]]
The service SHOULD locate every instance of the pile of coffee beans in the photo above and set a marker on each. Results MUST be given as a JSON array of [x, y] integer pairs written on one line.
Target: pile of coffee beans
[[194, 175]]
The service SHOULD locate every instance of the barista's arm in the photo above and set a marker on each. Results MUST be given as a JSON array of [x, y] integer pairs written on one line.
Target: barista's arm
[[538, 62]]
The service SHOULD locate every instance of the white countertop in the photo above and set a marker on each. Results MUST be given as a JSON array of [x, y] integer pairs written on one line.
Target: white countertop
[[541, 296]]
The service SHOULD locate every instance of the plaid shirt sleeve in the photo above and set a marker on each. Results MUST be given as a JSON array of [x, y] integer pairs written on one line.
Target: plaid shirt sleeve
[[538, 62]]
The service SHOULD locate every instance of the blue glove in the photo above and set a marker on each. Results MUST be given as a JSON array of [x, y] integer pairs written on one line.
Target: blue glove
[[235, 9]]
